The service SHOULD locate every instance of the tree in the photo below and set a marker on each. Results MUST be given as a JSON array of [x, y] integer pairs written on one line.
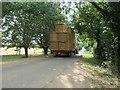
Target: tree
[[51, 13], [28, 22], [112, 16], [90, 22], [20, 24], [95, 25]]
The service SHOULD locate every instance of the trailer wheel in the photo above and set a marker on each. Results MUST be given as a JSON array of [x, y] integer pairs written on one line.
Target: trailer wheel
[[69, 53], [74, 52]]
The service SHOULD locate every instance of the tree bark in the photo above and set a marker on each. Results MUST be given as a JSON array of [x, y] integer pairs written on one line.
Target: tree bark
[[19, 51], [118, 64], [98, 48], [26, 52]]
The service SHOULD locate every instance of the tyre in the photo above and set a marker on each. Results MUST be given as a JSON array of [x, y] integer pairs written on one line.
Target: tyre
[[76, 51], [69, 53]]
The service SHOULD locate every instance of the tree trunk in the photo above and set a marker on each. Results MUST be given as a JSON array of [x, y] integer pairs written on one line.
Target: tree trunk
[[19, 51], [98, 47], [45, 50], [26, 52], [118, 64], [98, 51]]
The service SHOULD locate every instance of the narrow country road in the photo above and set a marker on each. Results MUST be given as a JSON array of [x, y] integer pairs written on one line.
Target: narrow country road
[[35, 73]]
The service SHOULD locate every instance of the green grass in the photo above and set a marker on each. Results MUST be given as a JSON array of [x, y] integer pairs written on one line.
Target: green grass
[[8, 58], [89, 58], [101, 74], [87, 54]]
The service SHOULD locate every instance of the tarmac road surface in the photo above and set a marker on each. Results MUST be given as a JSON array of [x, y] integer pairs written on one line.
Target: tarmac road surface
[[34, 73]]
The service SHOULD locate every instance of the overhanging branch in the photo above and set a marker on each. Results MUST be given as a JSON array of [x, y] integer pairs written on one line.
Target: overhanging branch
[[101, 10]]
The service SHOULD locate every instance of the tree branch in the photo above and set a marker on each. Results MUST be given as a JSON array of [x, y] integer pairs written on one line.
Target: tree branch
[[101, 10]]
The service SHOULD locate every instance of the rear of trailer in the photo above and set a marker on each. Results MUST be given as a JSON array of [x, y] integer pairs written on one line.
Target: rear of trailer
[[63, 40]]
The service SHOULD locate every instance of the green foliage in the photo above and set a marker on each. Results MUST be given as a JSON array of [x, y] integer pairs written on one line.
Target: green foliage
[[28, 23], [111, 16], [97, 71], [98, 27], [46, 22]]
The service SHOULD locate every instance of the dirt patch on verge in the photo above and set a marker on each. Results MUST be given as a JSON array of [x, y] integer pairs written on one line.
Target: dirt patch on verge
[[77, 76]]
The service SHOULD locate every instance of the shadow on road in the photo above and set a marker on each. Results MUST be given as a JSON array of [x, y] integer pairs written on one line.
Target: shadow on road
[[73, 56]]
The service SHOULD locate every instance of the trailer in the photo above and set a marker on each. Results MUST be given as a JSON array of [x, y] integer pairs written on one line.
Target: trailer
[[63, 40]]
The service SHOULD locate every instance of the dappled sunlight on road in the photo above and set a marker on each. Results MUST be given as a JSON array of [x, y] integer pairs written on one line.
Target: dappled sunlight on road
[[81, 74], [78, 78], [65, 81], [76, 71]]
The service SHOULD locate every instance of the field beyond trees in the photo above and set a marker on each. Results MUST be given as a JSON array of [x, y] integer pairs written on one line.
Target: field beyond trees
[[14, 51]]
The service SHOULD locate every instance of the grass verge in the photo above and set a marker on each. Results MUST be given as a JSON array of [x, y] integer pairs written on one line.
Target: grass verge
[[10, 58], [98, 73]]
